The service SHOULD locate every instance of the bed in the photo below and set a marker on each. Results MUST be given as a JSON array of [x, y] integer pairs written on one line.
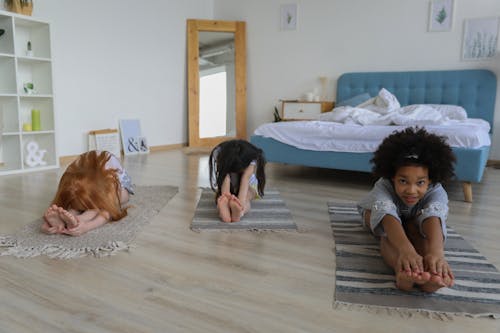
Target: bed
[[474, 90]]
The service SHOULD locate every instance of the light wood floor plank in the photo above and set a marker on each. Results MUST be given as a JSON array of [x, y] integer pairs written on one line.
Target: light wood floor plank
[[177, 280]]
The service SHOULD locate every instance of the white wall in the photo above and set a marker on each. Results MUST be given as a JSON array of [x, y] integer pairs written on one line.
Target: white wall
[[118, 59], [126, 59], [338, 36]]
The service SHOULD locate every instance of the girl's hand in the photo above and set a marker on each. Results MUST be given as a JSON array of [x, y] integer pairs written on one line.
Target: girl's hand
[[436, 264], [226, 195], [236, 200], [79, 230]]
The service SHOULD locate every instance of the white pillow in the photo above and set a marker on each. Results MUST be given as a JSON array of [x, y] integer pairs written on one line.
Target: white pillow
[[386, 99], [383, 103], [366, 103]]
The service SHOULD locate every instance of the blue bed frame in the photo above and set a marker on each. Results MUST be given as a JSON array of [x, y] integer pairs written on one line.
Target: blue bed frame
[[475, 90]]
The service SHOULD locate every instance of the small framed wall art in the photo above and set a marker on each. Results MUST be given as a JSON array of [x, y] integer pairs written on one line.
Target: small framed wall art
[[480, 38], [288, 17], [441, 15]]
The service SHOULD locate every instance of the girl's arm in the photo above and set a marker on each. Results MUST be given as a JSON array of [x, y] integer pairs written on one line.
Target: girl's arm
[[226, 186], [434, 235], [435, 203], [380, 203], [84, 226], [434, 259], [407, 257], [244, 182]]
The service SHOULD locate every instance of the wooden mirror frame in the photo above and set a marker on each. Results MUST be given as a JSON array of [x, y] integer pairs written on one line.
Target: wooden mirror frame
[[239, 30]]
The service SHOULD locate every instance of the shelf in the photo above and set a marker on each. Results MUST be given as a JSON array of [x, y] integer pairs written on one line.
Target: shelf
[[26, 133], [28, 96], [7, 39], [17, 67], [45, 105], [33, 59], [7, 75], [45, 143], [39, 73], [9, 153], [8, 114], [37, 33]]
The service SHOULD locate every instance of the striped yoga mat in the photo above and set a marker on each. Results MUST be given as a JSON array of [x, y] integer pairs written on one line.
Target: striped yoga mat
[[363, 280], [268, 213]]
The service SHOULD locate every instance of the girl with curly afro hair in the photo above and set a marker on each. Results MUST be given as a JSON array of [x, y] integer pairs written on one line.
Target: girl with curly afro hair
[[408, 207]]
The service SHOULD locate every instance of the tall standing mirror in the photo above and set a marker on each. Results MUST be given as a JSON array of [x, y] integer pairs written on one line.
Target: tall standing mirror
[[216, 81]]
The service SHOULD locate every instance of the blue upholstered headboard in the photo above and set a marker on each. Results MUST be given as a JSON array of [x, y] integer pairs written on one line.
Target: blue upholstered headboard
[[474, 90]]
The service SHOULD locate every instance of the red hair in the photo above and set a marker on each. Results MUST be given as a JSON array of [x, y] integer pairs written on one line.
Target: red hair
[[87, 184]]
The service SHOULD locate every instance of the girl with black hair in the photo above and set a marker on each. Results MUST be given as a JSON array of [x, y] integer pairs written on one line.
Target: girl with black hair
[[408, 207], [237, 177]]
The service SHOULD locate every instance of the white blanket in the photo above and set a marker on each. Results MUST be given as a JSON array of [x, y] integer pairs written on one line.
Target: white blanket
[[417, 114], [334, 136], [344, 129], [384, 109]]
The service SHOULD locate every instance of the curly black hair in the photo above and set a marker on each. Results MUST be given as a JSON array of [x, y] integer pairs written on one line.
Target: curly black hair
[[234, 156], [414, 146]]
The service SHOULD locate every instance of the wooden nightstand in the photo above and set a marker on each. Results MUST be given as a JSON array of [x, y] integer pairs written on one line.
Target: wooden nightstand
[[302, 110]]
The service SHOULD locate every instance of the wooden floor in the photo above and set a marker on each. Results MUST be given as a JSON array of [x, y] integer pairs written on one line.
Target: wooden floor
[[177, 280]]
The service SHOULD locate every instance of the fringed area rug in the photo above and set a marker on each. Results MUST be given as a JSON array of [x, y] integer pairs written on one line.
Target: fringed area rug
[[363, 280], [268, 213], [29, 241]]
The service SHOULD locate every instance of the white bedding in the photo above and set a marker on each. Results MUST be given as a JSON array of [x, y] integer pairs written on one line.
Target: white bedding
[[385, 109], [416, 114], [332, 136]]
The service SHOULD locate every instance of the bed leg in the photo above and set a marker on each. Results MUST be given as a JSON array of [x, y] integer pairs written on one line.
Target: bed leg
[[467, 187]]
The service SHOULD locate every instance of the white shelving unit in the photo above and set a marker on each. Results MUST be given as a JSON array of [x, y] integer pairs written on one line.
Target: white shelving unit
[[17, 67]]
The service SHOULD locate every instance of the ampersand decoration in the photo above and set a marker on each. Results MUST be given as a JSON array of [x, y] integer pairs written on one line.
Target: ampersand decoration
[[133, 145], [34, 155]]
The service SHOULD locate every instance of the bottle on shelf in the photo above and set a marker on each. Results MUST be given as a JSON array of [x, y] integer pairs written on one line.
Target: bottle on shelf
[[29, 51]]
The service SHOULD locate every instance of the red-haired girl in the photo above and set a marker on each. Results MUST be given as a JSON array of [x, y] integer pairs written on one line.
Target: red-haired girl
[[91, 192]]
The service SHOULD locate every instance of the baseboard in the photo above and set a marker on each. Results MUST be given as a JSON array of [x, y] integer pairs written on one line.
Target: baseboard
[[493, 163], [197, 150], [63, 160], [167, 147]]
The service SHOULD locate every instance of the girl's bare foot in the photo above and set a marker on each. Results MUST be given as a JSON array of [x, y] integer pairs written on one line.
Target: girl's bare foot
[[68, 218], [236, 209], [46, 228], [449, 280], [405, 281], [223, 207], [436, 282], [53, 223]]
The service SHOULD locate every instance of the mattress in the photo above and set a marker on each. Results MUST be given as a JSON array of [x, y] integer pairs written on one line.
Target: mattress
[[332, 136]]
